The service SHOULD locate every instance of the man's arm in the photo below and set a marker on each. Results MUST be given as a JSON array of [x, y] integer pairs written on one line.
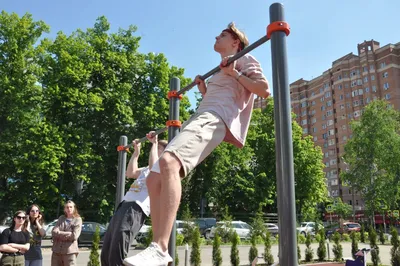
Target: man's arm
[[133, 171], [259, 87], [153, 157], [201, 85]]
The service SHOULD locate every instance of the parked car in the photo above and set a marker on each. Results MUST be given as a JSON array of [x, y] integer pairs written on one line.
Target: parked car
[[272, 228], [88, 230], [143, 233], [6, 223], [48, 228], [306, 228], [205, 225], [347, 228], [2, 227], [241, 228]]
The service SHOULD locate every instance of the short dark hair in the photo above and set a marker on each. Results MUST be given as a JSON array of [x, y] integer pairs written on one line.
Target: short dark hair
[[163, 143]]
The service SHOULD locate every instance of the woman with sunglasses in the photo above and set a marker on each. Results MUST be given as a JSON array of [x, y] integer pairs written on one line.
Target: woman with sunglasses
[[14, 242], [65, 236], [33, 257]]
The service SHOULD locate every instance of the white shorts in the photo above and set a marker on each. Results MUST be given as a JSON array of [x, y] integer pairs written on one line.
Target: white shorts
[[199, 136]]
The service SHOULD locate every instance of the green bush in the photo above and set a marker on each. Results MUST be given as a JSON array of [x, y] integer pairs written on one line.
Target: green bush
[[235, 259], [179, 239], [253, 252], [268, 258], [309, 253], [375, 249], [381, 235], [94, 252], [346, 237], [195, 257], [302, 239], [337, 247], [321, 251], [362, 233], [149, 237], [354, 243], [395, 259], [216, 252]]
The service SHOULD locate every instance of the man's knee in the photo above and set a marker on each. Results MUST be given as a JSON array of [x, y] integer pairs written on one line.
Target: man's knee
[[170, 163]]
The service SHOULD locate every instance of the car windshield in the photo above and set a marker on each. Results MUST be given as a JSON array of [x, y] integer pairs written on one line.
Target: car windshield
[[303, 224], [352, 225]]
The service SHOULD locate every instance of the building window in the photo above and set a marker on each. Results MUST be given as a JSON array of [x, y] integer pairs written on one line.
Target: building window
[[368, 100], [339, 77], [304, 122], [383, 64], [346, 85], [323, 126], [303, 113], [344, 127], [366, 79], [371, 67], [304, 104], [322, 107], [305, 130], [331, 142], [326, 156], [315, 138], [354, 93], [360, 92], [314, 120], [350, 116], [372, 77], [314, 129], [324, 136], [348, 105], [331, 132], [353, 83], [342, 106], [322, 99], [374, 88], [385, 74], [347, 95], [341, 97], [365, 68], [327, 164], [386, 85], [366, 89], [329, 103], [387, 96], [327, 94], [344, 138], [359, 82], [323, 117], [340, 87], [329, 113], [357, 113], [313, 103], [330, 122]]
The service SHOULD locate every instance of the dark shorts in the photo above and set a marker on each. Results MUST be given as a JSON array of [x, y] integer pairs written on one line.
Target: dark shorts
[[123, 227]]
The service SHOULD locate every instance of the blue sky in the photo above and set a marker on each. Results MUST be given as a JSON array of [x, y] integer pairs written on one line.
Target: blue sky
[[321, 31]]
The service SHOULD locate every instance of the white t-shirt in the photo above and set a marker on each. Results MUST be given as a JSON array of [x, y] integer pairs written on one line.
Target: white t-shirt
[[138, 192]]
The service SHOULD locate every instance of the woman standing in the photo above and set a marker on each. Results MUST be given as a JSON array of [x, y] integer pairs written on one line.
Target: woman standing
[[33, 257], [65, 236], [14, 242]]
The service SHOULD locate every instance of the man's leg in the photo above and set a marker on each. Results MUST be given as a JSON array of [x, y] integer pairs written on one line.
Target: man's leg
[[154, 187], [170, 196]]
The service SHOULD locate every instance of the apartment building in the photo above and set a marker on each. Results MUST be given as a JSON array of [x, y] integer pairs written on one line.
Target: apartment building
[[326, 104]]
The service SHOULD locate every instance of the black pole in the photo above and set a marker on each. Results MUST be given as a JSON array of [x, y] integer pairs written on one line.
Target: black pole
[[123, 140], [283, 144], [173, 132]]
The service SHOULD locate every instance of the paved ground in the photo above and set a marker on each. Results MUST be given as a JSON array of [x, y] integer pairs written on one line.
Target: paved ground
[[206, 254]]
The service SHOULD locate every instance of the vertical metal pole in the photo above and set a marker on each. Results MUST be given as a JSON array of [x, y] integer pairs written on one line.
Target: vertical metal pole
[[283, 144], [172, 132], [123, 141]]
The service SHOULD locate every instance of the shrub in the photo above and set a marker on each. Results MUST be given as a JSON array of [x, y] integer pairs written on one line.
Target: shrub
[[216, 252], [321, 251], [94, 252], [337, 247], [235, 260]]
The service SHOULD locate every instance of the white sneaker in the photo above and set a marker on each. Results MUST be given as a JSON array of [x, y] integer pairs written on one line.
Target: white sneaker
[[151, 256]]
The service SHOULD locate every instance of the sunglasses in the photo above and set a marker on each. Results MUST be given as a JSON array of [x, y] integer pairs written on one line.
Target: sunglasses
[[21, 217], [34, 210]]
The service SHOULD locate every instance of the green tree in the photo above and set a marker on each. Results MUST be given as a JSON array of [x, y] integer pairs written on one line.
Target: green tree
[[268, 258], [94, 252], [342, 209], [374, 247], [362, 233], [371, 154], [309, 253], [381, 235], [321, 251], [337, 247], [394, 254], [235, 259], [195, 256], [253, 252], [188, 228], [216, 252]]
